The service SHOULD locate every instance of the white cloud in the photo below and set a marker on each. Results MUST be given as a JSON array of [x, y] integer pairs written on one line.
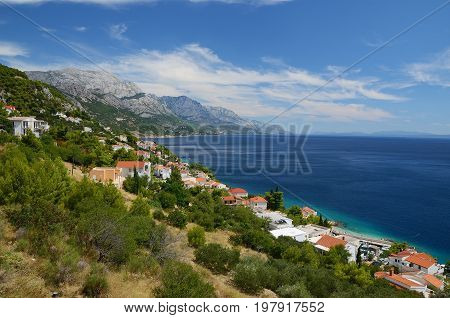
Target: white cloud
[[198, 72], [434, 72], [80, 28], [10, 49], [117, 31]]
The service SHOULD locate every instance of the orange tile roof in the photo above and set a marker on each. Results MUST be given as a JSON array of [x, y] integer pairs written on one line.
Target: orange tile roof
[[381, 274], [258, 200], [238, 191], [421, 259], [402, 280], [433, 280], [130, 164], [403, 253], [229, 198], [200, 179], [329, 241]]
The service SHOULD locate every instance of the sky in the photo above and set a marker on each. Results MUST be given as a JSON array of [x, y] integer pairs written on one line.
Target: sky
[[339, 66]]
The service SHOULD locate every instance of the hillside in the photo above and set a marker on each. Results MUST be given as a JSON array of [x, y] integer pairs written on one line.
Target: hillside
[[118, 103]]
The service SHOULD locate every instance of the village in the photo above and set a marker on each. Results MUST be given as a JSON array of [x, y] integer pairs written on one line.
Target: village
[[406, 269]]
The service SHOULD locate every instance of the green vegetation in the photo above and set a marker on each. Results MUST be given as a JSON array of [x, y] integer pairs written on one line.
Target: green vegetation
[[218, 259], [196, 236], [179, 280]]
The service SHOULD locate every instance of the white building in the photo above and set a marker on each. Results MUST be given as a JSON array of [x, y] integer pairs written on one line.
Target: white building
[[325, 242], [121, 146], [22, 124], [293, 232], [313, 230], [258, 203], [410, 261], [162, 172], [277, 220], [127, 168]]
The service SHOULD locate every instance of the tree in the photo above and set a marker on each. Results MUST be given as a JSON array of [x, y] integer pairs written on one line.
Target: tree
[[196, 236], [167, 200], [275, 200], [337, 255], [140, 207], [179, 280], [248, 275], [220, 260], [177, 218]]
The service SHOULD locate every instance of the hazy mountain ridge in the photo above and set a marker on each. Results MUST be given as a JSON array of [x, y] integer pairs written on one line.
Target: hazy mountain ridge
[[93, 89]]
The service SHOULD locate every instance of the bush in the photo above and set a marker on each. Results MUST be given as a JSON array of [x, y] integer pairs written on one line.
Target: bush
[[177, 218], [196, 236], [220, 260], [179, 280], [159, 215], [140, 207], [298, 290], [96, 284], [167, 200], [140, 264], [249, 274]]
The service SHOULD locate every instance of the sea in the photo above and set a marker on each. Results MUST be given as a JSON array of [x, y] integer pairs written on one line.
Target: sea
[[384, 187]]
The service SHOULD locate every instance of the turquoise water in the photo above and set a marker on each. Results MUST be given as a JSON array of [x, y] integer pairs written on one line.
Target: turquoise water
[[394, 188]]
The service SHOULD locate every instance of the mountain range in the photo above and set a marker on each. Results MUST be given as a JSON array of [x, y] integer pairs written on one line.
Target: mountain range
[[119, 103]]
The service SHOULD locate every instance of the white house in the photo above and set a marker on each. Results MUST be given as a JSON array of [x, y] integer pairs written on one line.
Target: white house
[[121, 146], [258, 203], [162, 172], [325, 242], [127, 167], [22, 124], [410, 261], [293, 232]]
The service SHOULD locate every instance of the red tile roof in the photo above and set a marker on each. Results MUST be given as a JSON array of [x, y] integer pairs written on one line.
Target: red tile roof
[[421, 259], [403, 253], [229, 198], [258, 200], [402, 280], [130, 164], [329, 241], [10, 107], [433, 280], [238, 191]]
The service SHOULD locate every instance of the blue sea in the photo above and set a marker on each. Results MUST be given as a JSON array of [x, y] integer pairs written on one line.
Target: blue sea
[[393, 188]]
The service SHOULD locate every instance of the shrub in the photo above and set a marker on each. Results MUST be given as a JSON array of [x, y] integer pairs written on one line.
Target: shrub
[[248, 275], [220, 260], [167, 200], [298, 290], [140, 207], [140, 264], [159, 215], [179, 280], [96, 284], [177, 218], [196, 236]]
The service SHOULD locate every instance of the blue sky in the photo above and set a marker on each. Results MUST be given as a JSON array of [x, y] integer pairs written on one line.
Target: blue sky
[[254, 57]]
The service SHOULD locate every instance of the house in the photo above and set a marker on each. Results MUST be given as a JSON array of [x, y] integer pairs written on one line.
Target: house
[[293, 232], [410, 260], [107, 174], [218, 185], [312, 230], [143, 154], [162, 172], [189, 184], [142, 168], [200, 181], [325, 242], [9, 109], [239, 193], [403, 281], [87, 129], [258, 203], [22, 124], [229, 200], [277, 220], [307, 212]]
